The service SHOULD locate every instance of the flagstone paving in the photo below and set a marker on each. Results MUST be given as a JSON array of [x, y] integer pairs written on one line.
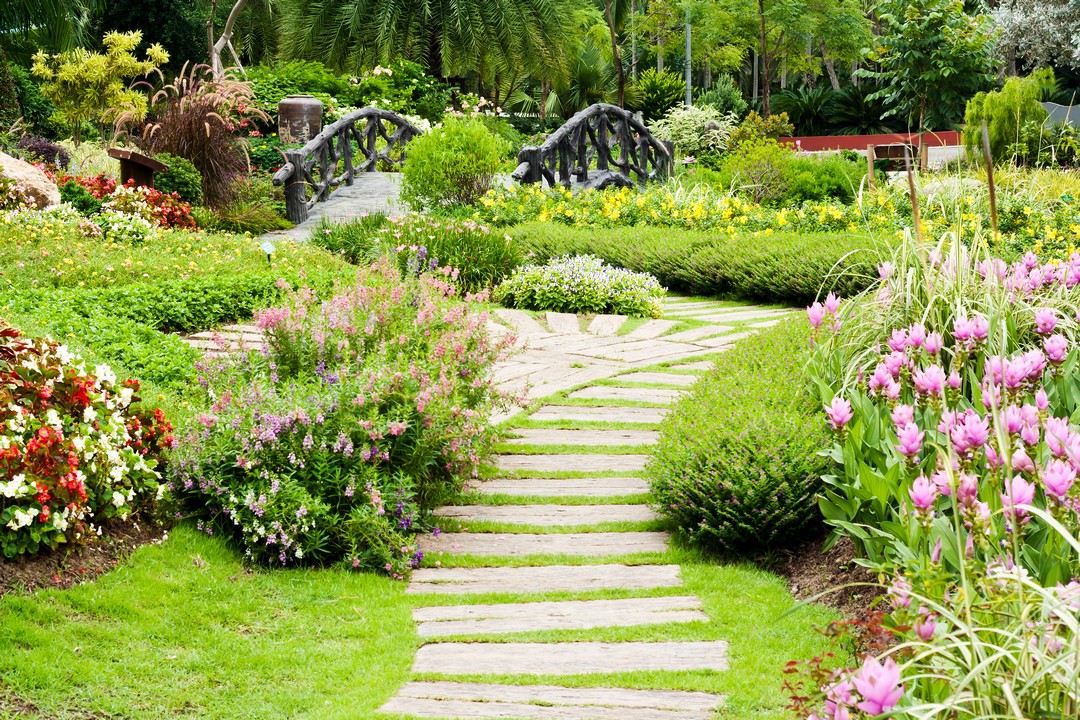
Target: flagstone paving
[[542, 578], [548, 515], [565, 487], [576, 463], [587, 437]]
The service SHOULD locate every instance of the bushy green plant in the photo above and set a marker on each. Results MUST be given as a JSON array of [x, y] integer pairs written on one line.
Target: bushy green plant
[[755, 128], [182, 178], [781, 267], [357, 240], [1005, 111], [737, 465], [658, 92], [271, 83], [80, 198], [858, 110], [724, 96], [695, 131], [9, 96], [403, 87], [582, 284], [760, 169], [452, 165], [368, 411], [810, 109], [38, 112]]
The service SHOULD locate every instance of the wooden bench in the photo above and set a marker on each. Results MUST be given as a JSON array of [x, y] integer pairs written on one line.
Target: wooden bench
[[138, 167]]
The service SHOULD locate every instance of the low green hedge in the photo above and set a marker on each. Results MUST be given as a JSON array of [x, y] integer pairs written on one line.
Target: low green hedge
[[736, 467], [781, 267]]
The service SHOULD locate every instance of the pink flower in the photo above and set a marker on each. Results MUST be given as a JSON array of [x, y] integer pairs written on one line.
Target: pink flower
[[935, 554], [930, 381], [898, 341], [1057, 436], [916, 336], [832, 303], [962, 329], [1018, 492], [980, 328], [925, 627], [954, 380], [902, 415], [923, 493], [892, 390], [1045, 321], [900, 593], [885, 270], [934, 343], [1042, 402], [1021, 462], [839, 413], [1056, 347], [911, 439], [1058, 478], [816, 314], [895, 362], [879, 684]]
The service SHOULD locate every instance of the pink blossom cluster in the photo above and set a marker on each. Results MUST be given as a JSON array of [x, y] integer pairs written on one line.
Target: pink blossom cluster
[[874, 689]]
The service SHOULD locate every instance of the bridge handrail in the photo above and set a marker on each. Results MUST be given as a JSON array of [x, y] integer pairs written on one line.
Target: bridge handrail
[[334, 144], [591, 134]]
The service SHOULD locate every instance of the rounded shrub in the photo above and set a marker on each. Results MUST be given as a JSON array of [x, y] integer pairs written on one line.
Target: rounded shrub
[[452, 165], [736, 466], [182, 178]]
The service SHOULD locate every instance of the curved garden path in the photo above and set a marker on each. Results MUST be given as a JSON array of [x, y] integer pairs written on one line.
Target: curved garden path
[[561, 543]]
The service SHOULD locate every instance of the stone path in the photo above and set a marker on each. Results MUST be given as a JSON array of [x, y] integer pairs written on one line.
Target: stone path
[[606, 465], [612, 377]]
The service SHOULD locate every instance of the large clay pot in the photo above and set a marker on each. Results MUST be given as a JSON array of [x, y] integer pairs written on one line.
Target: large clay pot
[[299, 119]]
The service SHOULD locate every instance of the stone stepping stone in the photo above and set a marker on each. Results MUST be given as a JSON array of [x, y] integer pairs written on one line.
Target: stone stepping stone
[[723, 340], [479, 701], [651, 329], [578, 463], [565, 344], [565, 323], [606, 324], [698, 333], [515, 370], [565, 487], [585, 413], [586, 544], [742, 316], [540, 579], [521, 321], [607, 392], [719, 309], [694, 305], [570, 658], [497, 329], [584, 437], [703, 365], [564, 615], [548, 515], [638, 350], [657, 378], [766, 324]]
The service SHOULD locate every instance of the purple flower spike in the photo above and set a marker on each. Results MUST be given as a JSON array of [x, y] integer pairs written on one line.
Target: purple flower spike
[[923, 493], [1056, 347], [839, 413], [1058, 478], [911, 440], [816, 314], [832, 303], [1045, 321]]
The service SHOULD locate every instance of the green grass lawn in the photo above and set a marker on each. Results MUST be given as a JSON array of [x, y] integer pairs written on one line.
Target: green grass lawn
[[184, 630]]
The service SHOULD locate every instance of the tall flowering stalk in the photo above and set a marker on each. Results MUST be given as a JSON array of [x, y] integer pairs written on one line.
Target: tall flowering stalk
[[365, 411]]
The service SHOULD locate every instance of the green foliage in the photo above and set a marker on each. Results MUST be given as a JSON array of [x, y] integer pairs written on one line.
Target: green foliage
[[857, 110], [356, 241], [760, 169], [405, 88], [931, 58], [86, 86], [736, 466], [451, 165], [38, 112], [695, 131], [1006, 111], [179, 25], [772, 175], [810, 109], [182, 178], [9, 96], [725, 96], [778, 268], [754, 128], [582, 284], [80, 198], [272, 83], [658, 92]]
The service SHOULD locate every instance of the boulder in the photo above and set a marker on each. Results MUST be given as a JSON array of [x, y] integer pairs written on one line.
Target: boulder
[[36, 184]]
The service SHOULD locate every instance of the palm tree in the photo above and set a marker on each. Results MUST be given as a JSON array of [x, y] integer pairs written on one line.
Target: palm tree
[[452, 37], [55, 25]]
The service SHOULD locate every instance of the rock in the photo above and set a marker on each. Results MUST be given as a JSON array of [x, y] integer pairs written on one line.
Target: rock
[[600, 179], [34, 183]]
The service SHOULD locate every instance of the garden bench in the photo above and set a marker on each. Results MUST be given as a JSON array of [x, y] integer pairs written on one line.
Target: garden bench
[[137, 167]]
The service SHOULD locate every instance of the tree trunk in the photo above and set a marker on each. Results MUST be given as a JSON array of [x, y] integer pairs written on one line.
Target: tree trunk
[[545, 90], [659, 51], [615, 58], [217, 47], [766, 79], [754, 59], [831, 69], [707, 80]]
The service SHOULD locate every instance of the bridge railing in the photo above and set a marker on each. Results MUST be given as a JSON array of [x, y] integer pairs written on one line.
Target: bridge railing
[[313, 172], [593, 135]]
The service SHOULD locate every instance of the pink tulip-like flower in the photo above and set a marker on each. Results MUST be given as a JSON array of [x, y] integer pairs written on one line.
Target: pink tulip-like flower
[[816, 314], [1022, 462], [879, 685], [954, 380], [892, 391], [1017, 492], [880, 378], [839, 413], [934, 343], [1042, 402], [898, 341], [967, 489], [923, 493], [1045, 321], [941, 481], [963, 330], [885, 270], [838, 698], [895, 362], [930, 381], [902, 414], [935, 554], [1057, 436], [900, 593], [993, 459], [925, 628], [1058, 478], [832, 303], [1056, 347], [980, 328], [911, 440], [916, 336], [1014, 420]]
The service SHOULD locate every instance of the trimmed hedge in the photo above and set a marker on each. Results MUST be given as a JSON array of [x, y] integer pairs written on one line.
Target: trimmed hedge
[[736, 467], [781, 267]]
